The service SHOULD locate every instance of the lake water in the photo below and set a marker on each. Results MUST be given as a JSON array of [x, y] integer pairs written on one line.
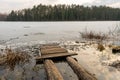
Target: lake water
[[14, 32]]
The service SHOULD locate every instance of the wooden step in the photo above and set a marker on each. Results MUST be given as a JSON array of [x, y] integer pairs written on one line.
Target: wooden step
[[55, 55], [53, 51]]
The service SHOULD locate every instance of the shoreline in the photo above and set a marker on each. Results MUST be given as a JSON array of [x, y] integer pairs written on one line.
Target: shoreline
[[93, 60]]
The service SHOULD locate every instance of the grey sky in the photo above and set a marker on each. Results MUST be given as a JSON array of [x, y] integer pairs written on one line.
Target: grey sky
[[111, 3], [8, 5]]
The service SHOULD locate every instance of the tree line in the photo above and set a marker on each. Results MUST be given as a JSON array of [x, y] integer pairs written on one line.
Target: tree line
[[64, 13]]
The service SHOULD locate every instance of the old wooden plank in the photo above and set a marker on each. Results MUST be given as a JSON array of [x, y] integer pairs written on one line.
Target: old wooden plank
[[52, 71], [53, 50], [79, 70], [55, 55], [48, 47], [50, 44]]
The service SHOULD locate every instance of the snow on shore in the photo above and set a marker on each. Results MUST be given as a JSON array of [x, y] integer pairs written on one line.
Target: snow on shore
[[99, 63], [95, 61]]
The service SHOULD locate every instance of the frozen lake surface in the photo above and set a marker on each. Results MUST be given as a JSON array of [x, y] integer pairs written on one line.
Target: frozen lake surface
[[14, 32]]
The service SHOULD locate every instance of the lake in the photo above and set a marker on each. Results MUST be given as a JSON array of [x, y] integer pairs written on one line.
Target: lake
[[24, 33], [14, 32]]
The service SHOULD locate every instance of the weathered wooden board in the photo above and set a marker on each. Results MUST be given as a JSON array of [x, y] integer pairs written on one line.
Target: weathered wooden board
[[50, 51], [53, 51], [48, 47], [52, 71], [55, 55]]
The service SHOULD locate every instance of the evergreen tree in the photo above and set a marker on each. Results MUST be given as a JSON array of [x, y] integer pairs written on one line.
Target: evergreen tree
[[64, 13]]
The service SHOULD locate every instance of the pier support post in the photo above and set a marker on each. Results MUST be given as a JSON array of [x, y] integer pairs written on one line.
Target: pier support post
[[79, 70], [52, 71]]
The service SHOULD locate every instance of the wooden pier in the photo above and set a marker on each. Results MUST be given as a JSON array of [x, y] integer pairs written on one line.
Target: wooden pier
[[52, 51]]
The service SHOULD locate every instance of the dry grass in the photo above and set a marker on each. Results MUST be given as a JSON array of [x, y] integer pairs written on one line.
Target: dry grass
[[93, 35], [11, 59], [101, 47]]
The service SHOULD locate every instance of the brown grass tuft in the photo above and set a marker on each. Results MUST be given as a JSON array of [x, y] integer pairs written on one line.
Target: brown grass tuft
[[101, 47], [11, 59], [93, 35]]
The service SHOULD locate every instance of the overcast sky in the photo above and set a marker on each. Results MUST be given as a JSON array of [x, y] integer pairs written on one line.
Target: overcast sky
[[8, 5]]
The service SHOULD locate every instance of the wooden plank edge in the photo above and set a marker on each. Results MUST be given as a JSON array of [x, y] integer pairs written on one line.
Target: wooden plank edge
[[55, 56]]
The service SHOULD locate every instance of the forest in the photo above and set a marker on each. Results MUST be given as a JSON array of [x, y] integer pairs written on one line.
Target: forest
[[64, 13]]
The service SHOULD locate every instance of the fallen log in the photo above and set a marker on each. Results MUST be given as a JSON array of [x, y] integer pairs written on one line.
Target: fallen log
[[79, 70], [116, 49], [52, 71]]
